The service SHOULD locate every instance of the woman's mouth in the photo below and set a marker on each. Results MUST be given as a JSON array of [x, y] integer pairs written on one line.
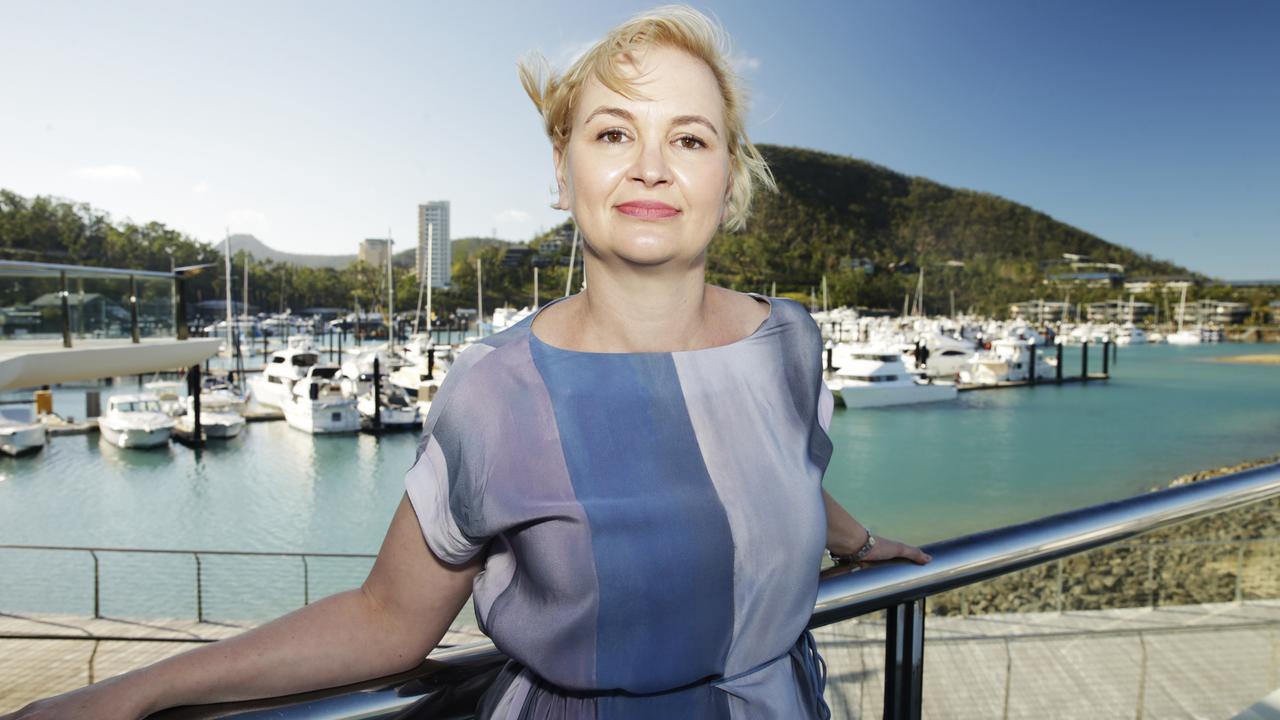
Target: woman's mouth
[[647, 209]]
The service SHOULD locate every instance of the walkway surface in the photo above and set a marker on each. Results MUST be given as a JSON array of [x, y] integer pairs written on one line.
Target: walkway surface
[[1194, 661]]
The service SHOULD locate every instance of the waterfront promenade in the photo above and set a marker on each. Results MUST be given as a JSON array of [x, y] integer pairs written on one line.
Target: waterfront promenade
[[1208, 660]]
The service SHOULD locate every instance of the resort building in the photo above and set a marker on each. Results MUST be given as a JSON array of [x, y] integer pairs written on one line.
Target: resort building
[[1079, 270], [434, 215], [1219, 312], [1040, 311], [374, 251], [1119, 311]]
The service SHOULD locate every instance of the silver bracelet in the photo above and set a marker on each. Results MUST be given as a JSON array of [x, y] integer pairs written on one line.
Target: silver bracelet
[[857, 556]]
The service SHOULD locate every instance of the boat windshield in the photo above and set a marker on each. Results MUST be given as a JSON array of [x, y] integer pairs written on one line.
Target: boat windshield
[[324, 373], [875, 357], [138, 406], [305, 359]]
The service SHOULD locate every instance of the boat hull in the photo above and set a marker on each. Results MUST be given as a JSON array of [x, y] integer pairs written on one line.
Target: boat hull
[[870, 396], [22, 439], [322, 418], [134, 437]]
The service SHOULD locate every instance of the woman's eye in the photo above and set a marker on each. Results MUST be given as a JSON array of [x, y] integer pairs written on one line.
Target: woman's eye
[[690, 142], [612, 136]]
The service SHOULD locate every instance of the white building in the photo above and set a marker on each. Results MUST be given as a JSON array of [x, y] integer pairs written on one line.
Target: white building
[[374, 251], [435, 215]]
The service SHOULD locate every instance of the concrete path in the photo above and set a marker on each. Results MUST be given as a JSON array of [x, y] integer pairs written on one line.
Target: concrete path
[[1196, 661]]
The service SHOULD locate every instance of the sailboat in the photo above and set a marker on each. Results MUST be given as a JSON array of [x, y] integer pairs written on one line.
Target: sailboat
[[1184, 337]]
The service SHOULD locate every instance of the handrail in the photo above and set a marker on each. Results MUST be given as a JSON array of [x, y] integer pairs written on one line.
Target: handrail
[[448, 681]]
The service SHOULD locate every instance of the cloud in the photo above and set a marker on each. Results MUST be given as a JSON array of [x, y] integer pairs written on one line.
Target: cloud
[[743, 63], [110, 174], [247, 220], [200, 188], [507, 217]]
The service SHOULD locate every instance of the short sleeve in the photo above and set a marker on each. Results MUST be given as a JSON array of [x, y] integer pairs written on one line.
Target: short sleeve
[[446, 484]]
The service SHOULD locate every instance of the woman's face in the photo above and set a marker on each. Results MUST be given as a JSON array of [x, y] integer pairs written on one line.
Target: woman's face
[[647, 178]]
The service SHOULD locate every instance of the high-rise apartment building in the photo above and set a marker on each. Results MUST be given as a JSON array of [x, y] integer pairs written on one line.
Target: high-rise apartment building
[[435, 215], [374, 251]]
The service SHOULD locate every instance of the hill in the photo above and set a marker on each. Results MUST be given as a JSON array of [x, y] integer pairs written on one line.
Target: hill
[[832, 212]]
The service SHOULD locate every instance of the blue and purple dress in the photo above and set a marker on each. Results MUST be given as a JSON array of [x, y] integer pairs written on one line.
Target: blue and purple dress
[[652, 522]]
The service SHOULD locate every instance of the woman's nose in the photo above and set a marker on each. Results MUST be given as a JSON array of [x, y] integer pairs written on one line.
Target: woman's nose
[[651, 164]]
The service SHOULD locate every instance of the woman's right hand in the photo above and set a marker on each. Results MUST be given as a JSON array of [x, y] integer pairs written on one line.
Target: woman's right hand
[[105, 700]]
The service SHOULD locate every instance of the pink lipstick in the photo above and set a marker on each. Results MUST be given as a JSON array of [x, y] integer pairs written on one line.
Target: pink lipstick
[[647, 209]]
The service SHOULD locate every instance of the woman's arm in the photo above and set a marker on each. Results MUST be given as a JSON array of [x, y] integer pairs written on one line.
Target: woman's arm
[[845, 536], [386, 626]]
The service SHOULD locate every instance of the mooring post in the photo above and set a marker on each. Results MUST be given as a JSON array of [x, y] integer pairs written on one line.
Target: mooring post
[[1058, 370], [377, 394], [431, 361], [1032, 347], [831, 359], [1084, 361], [193, 388], [1106, 357]]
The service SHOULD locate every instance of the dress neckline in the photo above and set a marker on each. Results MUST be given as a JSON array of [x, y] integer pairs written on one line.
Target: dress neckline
[[533, 338]]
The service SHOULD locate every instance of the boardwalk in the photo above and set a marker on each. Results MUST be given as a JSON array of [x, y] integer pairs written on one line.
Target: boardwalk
[[1193, 661]]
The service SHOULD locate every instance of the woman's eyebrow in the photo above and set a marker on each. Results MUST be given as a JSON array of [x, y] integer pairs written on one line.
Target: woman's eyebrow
[[626, 115]]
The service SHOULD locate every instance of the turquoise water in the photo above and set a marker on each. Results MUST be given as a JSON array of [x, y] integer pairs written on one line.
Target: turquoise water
[[917, 474]]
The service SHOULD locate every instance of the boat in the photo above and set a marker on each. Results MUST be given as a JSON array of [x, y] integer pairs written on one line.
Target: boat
[[135, 421], [947, 355], [1008, 360], [317, 404], [878, 378], [1181, 336], [396, 410], [1131, 334], [216, 424], [274, 385], [20, 433], [170, 393]]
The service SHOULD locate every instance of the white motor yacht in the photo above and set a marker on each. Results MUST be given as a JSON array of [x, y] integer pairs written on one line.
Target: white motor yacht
[[318, 405], [170, 393], [878, 378], [274, 385], [396, 410], [1184, 337], [947, 356], [1131, 334], [215, 424], [1008, 360], [20, 433], [135, 421]]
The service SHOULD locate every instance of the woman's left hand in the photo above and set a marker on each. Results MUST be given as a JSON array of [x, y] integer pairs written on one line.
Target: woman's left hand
[[886, 549]]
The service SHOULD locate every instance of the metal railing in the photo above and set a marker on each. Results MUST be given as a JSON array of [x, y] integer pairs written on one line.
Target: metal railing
[[449, 682], [195, 555]]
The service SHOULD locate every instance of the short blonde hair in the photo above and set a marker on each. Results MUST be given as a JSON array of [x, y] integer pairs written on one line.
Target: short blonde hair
[[674, 26]]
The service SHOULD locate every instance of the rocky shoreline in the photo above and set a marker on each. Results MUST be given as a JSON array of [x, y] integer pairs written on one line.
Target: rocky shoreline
[[1228, 556]]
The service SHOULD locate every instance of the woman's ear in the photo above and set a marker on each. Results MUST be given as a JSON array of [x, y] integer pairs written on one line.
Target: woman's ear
[[562, 192]]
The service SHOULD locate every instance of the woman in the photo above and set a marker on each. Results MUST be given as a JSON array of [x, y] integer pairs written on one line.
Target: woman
[[629, 479]]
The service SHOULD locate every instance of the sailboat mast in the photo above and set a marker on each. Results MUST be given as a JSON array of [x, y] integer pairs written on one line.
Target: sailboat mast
[[479, 298], [390, 292], [430, 252], [226, 254], [824, 293], [535, 287], [573, 249]]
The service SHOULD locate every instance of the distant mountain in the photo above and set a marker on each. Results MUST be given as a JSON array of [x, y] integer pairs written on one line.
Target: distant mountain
[[261, 251]]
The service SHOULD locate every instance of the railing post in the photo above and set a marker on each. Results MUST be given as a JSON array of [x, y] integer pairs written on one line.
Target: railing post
[[66, 310], [904, 660], [179, 308], [97, 608], [133, 310], [199, 590]]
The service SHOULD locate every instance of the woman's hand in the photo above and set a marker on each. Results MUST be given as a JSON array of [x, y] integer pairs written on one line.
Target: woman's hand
[[886, 549], [106, 700]]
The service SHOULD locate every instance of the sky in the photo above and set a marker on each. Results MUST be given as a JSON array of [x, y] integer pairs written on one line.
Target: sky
[[313, 125]]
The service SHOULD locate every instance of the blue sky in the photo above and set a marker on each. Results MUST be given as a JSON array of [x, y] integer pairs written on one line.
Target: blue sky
[[312, 125]]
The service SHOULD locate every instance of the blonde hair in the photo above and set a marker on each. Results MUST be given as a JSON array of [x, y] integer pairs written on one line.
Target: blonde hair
[[674, 26]]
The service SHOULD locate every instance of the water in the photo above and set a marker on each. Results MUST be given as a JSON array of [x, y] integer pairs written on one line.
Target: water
[[917, 474]]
